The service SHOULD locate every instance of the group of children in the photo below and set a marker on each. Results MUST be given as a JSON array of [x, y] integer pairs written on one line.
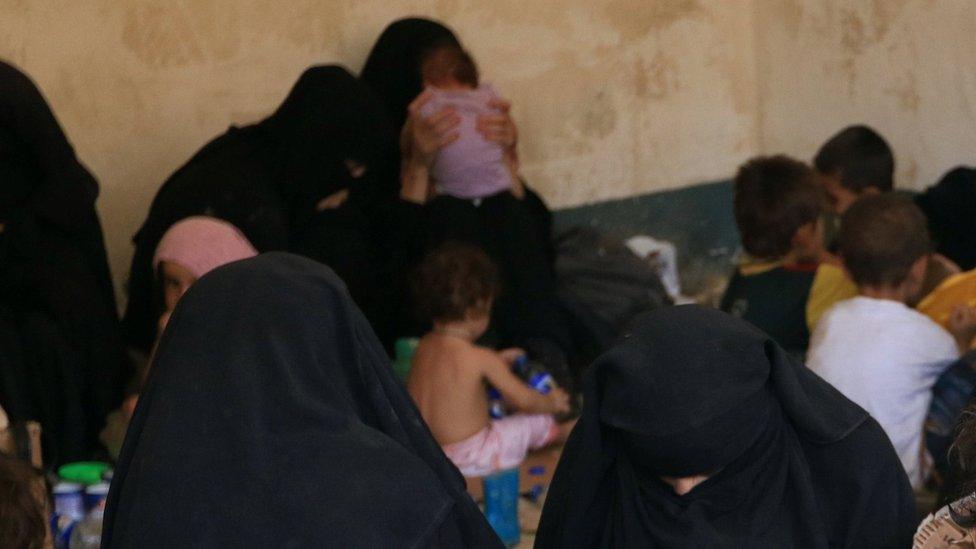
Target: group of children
[[835, 261]]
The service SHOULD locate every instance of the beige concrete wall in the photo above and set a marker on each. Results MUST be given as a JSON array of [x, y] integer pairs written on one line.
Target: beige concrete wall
[[906, 67], [613, 97]]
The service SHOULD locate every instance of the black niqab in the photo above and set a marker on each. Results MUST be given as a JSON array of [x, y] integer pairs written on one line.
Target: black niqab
[[392, 68], [272, 418], [950, 206], [266, 180], [63, 360], [693, 391], [42, 179]]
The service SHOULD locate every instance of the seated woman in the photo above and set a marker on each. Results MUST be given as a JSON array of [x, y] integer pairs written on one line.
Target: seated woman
[[305, 179], [190, 249], [273, 418], [62, 359], [699, 431], [512, 226]]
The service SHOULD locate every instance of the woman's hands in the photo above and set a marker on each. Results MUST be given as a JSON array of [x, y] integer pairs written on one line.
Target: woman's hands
[[420, 140], [422, 137], [500, 128]]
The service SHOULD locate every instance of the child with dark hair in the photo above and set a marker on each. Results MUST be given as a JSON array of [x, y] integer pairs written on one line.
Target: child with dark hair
[[874, 348], [471, 167], [855, 162], [455, 286], [24, 506], [787, 282]]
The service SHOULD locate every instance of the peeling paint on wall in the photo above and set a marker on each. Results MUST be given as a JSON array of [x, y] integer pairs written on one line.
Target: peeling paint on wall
[[613, 97], [904, 67]]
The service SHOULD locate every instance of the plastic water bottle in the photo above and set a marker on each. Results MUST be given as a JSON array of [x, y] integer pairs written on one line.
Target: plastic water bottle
[[69, 510], [496, 408], [87, 534], [533, 374]]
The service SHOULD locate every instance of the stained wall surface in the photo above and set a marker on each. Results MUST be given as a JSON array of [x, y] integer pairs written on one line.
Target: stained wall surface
[[612, 97], [905, 67]]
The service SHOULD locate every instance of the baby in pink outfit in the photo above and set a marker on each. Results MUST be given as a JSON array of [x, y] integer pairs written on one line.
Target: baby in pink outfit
[[471, 167], [455, 286]]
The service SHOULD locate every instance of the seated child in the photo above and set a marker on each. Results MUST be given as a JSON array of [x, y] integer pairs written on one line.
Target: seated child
[[854, 163], [24, 506], [455, 286], [787, 281], [188, 250], [876, 350], [471, 167]]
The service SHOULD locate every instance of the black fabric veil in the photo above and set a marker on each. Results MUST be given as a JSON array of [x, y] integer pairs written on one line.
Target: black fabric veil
[[266, 179], [272, 418], [41, 177], [63, 360], [392, 68], [950, 206], [693, 391]]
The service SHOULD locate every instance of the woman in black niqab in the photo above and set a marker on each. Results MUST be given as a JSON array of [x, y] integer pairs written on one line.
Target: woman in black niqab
[[516, 231], [62, 359], [950, 206], [692, 391], [270, 179], [272, 418], [392, 68], [43, 186]]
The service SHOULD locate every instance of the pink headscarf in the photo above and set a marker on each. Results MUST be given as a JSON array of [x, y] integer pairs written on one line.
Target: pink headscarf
[[201, 244]]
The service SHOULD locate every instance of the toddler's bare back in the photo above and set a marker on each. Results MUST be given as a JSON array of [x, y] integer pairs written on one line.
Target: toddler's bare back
[[447, 384]]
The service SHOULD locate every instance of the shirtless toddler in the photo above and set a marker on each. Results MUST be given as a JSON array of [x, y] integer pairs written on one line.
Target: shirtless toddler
[[455, 287]]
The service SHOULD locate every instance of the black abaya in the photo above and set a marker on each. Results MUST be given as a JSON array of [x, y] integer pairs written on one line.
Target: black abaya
[[266, 179], [63, 357], [515, 233], [272, 418], [42, 179], [950, 206], [692, 391]]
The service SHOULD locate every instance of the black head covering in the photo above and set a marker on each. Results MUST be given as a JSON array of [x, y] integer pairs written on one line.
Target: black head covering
[[266, 180], [693, 391], [272, 418], [42, 179], [950, 206], [38, 167], [392, 68], [328, 117]]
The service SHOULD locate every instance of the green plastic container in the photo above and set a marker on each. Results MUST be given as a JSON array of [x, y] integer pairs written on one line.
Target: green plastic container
[[405, 347], [83, 472]]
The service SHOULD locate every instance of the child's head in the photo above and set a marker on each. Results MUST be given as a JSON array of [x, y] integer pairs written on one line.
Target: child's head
[[884, 243], [449, 66], [24, 508], [456, 284], [192, 248], [855, 162], [777, 209]]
